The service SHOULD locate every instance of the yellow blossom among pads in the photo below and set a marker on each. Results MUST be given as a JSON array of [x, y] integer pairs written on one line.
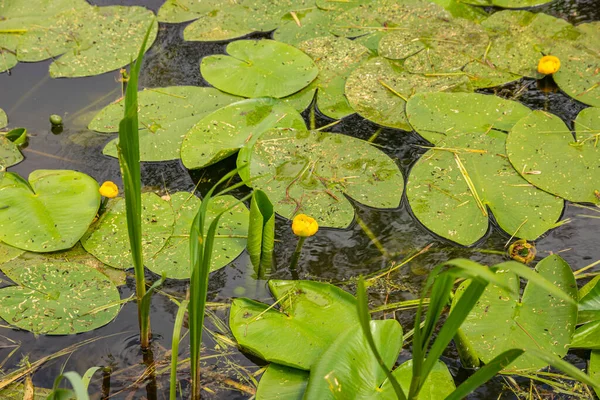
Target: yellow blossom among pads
[[109, 189], [304, 226], [548, 65]]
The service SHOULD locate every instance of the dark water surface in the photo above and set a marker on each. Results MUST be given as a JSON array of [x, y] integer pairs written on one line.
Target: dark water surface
[[29, 96]]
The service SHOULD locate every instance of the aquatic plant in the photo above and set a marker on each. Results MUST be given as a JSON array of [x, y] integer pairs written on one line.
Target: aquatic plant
[[261, 232], [80, 385]]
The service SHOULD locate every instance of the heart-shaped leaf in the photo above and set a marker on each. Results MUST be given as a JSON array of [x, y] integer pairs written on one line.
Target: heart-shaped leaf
[[59, 299], [544, 151], [452, 185], [49, 213], [311, 172], [259, 68], [538, 320], [87, 46], [173, 258], [336, 58], [108, 240], [301, 330], [437, 116], [166, 114], [379, 89], [223, 132]]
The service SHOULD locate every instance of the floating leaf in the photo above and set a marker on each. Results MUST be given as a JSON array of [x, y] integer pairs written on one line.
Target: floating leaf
[[261, 232], [301, 25], [166, 114], [49, 213], [543, 150], [59, 299], [312, 172], [426, 47], [281, 383], [538, 320], [484, 75], [220, 22], [460, 9], [507, 3], [301, 330], [336, 58], [175, 11], [173, 258], [579, 73], [521, 38], [451, 187], [257, 68], [91, 40], [223, 132], [107, 238], [9, 153], [8, 253], [3, 119], [378, 90], [437, 116]]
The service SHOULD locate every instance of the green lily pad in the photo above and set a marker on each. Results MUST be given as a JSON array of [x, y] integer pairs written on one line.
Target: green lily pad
[[460, 9], [9, 153], [379, 88], [349, 370], [173, 259], [579, 73], [49, 213], [175, 11], [437, 116], [385, 16], [91, 40], [537, 320], [281, 383], [543, 150], [166, 114], [59, 299], [108, 240], [301, 330], [302, 25], [312, 172], [259, 68], [223, 132], [336, 58], [453, 203], [3, 119], [590, 35], [425, 48], [337, 5], [507, 3], [521, 38], [484, 75], [219, 22], [8, 253]]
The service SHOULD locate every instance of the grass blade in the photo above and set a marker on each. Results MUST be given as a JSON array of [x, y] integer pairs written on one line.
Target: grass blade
[[175, 348], [565, 367]]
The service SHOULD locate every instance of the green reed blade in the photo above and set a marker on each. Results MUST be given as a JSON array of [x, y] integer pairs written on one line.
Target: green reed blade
[[175, 348]]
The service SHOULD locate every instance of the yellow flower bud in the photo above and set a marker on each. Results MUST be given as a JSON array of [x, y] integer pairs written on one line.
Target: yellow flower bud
[[548, 65], [109, 189], [522, 251], [304, 226]]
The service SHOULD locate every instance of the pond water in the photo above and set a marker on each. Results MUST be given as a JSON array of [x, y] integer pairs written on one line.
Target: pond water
[[29, 96]]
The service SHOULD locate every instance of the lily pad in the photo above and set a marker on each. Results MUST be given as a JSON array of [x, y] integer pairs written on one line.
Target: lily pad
[[484, 75], [336, 58], [437, 116], [48, 213], [9, 153], [108, 240], [521, 38], [59, 299], [223, 132], [301, 330], [379, 88], [301, 25], [166, 115], [219, 22], [282, 383], [91, 40], [544, 151], [579, 73], [8, 253], [426, 47], [174, 258], [3, 119], [451, 187], [312, 172], [259, 68], [538, 320], [507, 3]]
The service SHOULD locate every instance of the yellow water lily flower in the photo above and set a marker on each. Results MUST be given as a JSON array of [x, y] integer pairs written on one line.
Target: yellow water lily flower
[[109, 190], [304, 226], [548, 65]]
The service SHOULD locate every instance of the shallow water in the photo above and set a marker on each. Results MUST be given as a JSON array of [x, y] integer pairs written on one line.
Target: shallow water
[[29, 96]]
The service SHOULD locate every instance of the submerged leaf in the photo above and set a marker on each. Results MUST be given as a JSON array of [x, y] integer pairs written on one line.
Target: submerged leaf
[[312, 172], [48, 213], [544, 151], [538, 320], [108, 240], [259, 68], [59, 299]]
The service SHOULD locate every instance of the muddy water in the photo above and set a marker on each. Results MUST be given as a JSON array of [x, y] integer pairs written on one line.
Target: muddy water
[[29, 96]]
